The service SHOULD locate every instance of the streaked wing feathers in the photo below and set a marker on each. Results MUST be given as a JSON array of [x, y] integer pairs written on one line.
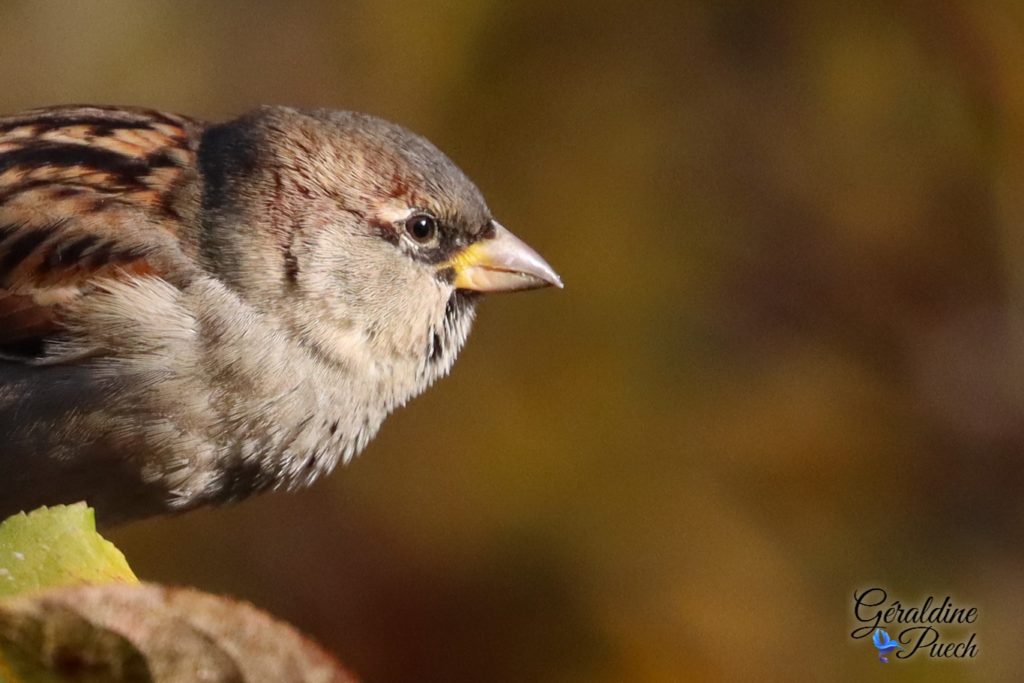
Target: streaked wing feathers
[[87, 193]]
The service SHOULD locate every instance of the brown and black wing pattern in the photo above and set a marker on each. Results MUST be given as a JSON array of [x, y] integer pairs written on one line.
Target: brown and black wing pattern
[[87, 193]]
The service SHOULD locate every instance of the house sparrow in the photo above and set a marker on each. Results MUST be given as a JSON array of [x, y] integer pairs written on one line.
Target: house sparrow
[[192, 313]]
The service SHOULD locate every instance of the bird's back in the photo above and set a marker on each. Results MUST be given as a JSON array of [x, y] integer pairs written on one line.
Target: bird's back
[[88, 193]]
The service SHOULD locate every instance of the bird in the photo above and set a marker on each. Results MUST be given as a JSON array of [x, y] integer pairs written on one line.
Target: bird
[[193, 312]]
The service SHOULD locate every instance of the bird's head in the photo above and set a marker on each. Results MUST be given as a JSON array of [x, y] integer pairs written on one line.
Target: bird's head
[[362, 237]]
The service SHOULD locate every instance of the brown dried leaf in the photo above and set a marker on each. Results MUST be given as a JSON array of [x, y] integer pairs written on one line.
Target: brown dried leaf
[[121, 633]]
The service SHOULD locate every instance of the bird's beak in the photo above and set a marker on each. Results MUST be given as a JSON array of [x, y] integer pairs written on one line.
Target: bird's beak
[[501, 263]]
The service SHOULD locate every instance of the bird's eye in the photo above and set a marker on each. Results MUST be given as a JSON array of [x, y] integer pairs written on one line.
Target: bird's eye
[[421, 227]]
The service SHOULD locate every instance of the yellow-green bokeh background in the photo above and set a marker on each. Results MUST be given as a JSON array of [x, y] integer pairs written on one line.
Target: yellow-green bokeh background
[[788, 361]]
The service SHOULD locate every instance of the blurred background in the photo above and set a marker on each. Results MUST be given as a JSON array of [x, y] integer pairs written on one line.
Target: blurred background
[[788, 362]]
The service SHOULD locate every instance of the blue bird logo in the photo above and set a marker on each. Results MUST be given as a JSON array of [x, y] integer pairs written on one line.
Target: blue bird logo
[[884, 644]]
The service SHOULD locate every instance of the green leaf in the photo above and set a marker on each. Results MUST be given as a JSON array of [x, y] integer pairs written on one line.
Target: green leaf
[[57, 546]]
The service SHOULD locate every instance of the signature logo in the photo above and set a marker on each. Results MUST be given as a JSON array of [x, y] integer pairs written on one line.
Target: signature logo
[[931, 628], [884, 644]]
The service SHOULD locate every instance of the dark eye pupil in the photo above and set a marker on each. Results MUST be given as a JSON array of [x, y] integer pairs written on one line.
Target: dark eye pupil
[[422, 228]]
